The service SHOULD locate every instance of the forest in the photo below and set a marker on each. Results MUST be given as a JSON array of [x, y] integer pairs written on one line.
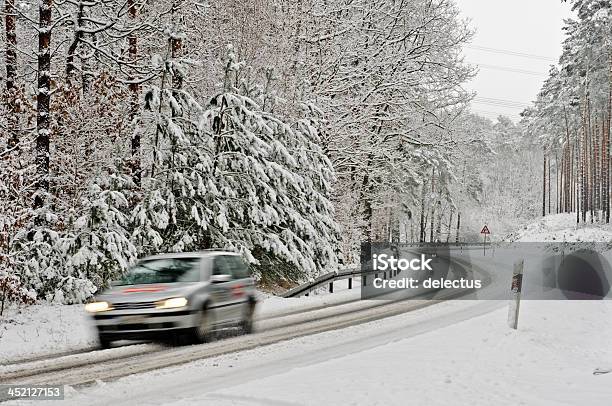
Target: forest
[[287, 131], [571, 119]]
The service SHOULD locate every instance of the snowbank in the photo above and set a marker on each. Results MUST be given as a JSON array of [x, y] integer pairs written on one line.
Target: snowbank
[[560, 228], [39, 329]]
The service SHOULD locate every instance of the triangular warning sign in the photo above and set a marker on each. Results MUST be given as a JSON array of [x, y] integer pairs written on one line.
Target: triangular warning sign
[[485, 230]]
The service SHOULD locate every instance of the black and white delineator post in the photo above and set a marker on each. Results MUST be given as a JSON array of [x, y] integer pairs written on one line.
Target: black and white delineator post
[[515, 291]]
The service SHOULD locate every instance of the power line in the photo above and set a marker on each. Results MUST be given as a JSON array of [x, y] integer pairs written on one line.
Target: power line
[[503, 106], [515, 109], [513, 70], [500, 103], [511, 53], [491, 99]]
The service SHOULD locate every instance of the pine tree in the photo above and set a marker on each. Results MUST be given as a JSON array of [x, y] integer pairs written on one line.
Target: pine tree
[[233, 176], [99, 247]]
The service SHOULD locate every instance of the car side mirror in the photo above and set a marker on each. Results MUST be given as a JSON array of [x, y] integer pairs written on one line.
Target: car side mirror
[[221, 278]]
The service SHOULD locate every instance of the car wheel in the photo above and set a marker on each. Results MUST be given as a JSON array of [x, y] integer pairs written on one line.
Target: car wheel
[[202, 332], [104, 343], [247, 323]]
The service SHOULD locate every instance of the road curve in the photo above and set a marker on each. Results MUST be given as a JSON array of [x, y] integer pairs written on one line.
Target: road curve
[[84, 369], [87, 370]]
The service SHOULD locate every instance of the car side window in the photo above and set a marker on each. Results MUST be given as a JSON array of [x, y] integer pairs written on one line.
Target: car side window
[[221, 266], [239, 268]]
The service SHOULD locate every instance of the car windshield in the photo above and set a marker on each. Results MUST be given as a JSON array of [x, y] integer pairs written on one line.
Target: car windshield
[[167, 270]]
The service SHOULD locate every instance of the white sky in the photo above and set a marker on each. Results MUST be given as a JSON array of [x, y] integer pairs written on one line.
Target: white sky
[[521, 26]]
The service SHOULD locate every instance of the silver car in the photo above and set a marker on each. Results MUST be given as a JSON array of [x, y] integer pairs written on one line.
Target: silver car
[[176, 295]]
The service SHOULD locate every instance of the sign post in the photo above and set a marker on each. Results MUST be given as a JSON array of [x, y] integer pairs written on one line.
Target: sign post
[[515, 300], [485, 231]]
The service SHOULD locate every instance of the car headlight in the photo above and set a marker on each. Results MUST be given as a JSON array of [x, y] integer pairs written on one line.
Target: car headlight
[[171, 303], [96, 307]]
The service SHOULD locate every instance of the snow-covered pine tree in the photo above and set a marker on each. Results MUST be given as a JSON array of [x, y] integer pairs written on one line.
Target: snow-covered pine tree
[[67, 259], [15, 203], [36, 254], [272, 177], [98, 246], [236, 177], [173, 207]]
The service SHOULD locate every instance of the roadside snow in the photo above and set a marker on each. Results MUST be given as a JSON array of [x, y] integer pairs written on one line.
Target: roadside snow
[[272, 306], [459, 353], [43, 328], [560, 228]]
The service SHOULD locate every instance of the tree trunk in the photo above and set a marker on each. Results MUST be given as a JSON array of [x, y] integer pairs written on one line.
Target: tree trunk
[[367, 186], [431, 223], [583, 168], [607, 144], [607, 154], [575, 163], [74, 45], [177, 42], [43, 100], [134, 92], [439, 227], [562, 185], [596, 190], [450, 225], [458, 226], [570, 165], [558, 184], [433, 207], [604, 174], [10, 55], [574, 174], [589, 160], [422, 223], [549, 187], [544, 188]]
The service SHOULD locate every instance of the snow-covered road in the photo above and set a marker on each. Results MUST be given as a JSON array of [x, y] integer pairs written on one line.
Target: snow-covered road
[[107, 365], [367, 353], [260, 362], [459, 353], [276, 323], [46, 331]]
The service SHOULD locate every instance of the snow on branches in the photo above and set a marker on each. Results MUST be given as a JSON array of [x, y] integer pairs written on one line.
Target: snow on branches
[[231, 175]]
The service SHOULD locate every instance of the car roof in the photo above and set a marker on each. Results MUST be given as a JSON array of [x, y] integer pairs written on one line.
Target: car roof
[[197, 254]]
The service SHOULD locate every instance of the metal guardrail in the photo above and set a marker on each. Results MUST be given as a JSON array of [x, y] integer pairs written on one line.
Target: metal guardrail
[[330, 278], [321, 280]]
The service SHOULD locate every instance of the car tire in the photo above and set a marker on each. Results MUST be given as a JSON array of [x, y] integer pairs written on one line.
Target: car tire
[[247, 324], [104, 343], [202, 332]]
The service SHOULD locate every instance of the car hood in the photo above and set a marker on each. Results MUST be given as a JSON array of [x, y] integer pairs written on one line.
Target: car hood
[[147, 292]]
